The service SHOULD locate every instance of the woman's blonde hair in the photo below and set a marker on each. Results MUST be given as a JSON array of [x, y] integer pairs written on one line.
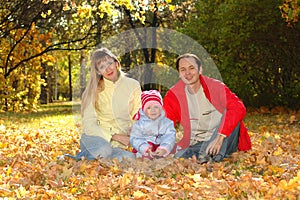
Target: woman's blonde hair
[[96, 82]]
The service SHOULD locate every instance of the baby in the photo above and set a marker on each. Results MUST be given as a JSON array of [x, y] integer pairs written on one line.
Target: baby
[[153, 135]]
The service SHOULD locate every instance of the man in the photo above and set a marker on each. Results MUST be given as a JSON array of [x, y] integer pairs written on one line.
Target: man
[[210, 114]]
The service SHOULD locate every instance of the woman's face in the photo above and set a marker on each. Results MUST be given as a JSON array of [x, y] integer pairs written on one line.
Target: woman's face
[[109, 69]]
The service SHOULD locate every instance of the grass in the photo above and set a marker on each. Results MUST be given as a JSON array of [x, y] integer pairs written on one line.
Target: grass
[[46, 113]]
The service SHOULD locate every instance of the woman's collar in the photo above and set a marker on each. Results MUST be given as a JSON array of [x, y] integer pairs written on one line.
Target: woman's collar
[[109, 83]]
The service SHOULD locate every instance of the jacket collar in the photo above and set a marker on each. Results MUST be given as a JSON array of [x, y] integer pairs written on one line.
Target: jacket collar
[[145, 118], [109, 84]]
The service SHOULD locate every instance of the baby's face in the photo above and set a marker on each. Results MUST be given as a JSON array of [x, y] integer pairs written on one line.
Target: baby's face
[[153, 111]]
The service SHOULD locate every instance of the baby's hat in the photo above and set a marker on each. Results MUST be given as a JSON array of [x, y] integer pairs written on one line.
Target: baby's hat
[[151, 97]]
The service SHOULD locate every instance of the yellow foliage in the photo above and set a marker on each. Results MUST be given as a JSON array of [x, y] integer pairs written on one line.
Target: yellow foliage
[[106, 7], [22, 86], [290, 10]]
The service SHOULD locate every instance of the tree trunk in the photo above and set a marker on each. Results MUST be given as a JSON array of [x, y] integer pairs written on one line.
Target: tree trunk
[[44, 93], [56, 85], [70, 77], [82, 73]]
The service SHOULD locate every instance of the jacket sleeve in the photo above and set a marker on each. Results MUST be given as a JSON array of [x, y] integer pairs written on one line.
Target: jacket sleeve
[[234, 113], [171, 107], [90, 124], [137, 139], [135, 101], [226, 102], [168, 139]]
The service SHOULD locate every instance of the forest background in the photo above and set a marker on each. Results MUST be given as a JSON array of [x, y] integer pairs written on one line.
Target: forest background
[[46, 45]]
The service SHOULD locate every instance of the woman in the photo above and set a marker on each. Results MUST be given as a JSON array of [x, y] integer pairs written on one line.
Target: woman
[[108, 105]]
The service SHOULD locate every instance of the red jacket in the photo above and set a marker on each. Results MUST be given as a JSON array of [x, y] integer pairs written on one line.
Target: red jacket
[[220, 96]]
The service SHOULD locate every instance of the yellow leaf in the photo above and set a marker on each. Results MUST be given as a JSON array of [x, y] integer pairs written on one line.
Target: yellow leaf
[[138, 194], [283, 184], [172, 7], [66, 7], [2, 128], [21, 192], [292, 119], [4, 191], [8, 172], [43, 15], [278, 151], [73, 190], [196, 177], [276, 136], [163, 189]]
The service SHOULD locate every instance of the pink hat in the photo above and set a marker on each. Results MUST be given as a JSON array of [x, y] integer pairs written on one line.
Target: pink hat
[[151, 97]]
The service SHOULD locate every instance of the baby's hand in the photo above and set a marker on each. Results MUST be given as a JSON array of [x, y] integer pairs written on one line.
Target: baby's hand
[[148, 151], [159, 153]]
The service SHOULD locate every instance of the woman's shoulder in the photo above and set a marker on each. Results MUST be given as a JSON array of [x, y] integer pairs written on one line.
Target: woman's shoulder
[[130, 80]]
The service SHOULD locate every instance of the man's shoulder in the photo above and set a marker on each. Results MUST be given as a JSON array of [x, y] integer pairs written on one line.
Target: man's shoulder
[[179, 86], [177, 91], [207, 79]]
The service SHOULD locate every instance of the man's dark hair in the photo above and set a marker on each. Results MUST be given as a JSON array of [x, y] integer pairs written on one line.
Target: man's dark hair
[[189, 55]]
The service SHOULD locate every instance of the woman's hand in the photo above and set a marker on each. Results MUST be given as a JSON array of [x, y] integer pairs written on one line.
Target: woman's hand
[[124, 139], [214, 147]]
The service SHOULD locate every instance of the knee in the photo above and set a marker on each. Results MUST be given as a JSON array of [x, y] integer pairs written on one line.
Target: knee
[[105, 151], [95, 147]]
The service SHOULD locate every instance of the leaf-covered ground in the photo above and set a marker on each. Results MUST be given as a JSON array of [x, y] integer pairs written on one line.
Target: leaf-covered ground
[[31, 142]]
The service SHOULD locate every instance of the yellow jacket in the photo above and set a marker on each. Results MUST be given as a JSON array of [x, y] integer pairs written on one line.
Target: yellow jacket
[[116, 106]]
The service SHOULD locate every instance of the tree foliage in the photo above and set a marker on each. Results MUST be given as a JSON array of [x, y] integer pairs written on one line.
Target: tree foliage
[[30, 31], [255, 52], [290, 10]]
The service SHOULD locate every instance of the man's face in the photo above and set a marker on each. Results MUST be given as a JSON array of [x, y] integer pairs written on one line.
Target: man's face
[[188, 71]]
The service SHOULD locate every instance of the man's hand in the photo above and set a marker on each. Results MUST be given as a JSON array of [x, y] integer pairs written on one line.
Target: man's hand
[[215, 145], [124, 139]]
